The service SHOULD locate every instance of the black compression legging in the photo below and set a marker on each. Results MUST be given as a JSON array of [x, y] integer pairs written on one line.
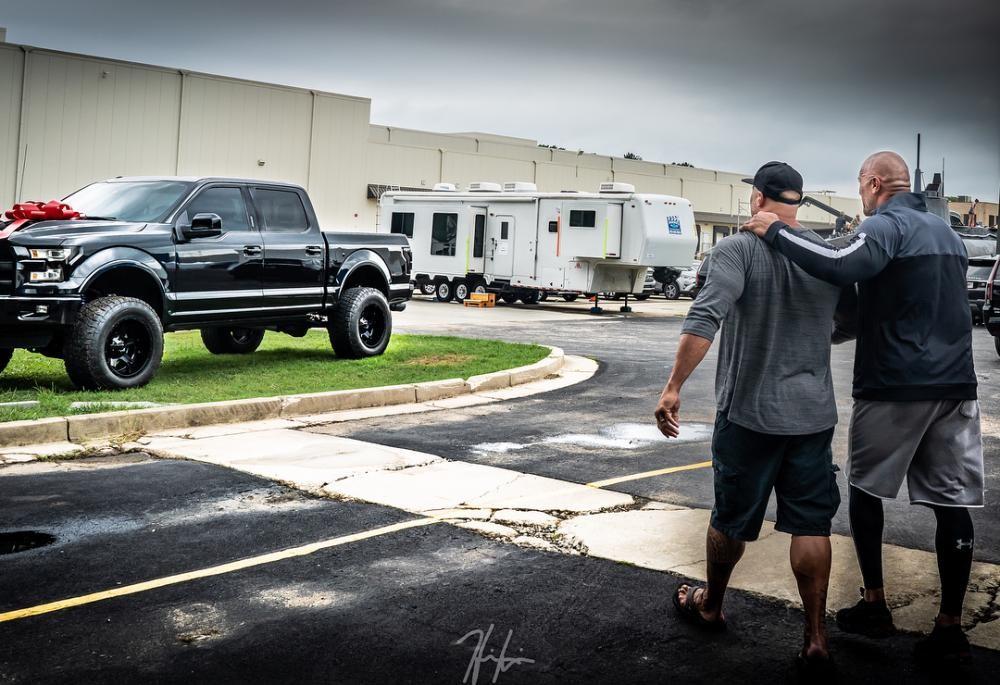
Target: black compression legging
[[953, 543]]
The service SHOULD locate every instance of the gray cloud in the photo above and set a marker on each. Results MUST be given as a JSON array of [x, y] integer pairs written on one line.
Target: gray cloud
[[720, 83]]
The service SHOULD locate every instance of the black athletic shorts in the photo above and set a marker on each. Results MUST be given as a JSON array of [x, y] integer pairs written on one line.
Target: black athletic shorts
[[748, 465]]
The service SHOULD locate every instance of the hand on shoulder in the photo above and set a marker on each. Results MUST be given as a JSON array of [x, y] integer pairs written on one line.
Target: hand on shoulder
[[759, 223]]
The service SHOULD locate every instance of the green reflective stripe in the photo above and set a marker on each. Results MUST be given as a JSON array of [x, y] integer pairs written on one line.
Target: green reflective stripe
[[467, 262]]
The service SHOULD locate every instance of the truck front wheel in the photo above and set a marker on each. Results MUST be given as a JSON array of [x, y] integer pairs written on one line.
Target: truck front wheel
[[232, 340], [116, 343], [5, 356], [361, 325]]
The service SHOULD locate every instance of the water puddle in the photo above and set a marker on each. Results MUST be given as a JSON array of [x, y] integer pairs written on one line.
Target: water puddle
[[619, 436]]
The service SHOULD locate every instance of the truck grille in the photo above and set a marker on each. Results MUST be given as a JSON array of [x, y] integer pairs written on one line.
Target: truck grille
[[6, 269]]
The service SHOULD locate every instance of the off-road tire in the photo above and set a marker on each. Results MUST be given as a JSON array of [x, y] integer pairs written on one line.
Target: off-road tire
[[235, 340], [361, 325], [5, 355], [94, 360]]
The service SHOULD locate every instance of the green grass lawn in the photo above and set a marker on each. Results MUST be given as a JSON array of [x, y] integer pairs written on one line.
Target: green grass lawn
[[283, 365]]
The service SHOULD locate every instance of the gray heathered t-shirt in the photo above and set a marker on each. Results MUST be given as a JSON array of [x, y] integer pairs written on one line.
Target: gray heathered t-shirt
[[774, 358]]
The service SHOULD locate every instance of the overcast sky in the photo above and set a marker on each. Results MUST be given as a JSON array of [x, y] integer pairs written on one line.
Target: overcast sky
[[724, 84]]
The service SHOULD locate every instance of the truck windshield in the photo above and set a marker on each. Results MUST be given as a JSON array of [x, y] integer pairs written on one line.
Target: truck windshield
[[128, 200]]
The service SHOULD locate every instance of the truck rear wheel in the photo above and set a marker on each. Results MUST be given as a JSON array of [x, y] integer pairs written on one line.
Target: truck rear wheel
[[361, 325], [232, 340], [116, 343], [5, 356]]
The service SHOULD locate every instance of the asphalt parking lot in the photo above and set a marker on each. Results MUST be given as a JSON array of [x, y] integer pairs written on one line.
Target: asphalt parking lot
[[395, 604]]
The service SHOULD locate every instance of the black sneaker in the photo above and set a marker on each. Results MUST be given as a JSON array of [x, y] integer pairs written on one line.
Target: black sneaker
[[946, 645], [872, 619]]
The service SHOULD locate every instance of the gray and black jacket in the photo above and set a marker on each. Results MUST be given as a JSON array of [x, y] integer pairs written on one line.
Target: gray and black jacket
[[914, 327]]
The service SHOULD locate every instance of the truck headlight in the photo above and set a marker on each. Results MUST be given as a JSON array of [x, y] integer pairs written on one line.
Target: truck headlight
[[59, 254], [53, 275]]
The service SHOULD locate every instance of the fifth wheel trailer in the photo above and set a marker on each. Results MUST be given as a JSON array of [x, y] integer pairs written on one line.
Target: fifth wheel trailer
[[518, 242]]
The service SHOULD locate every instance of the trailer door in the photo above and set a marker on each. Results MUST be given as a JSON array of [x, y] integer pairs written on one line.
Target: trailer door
[[613, 231], [476, 261], [526, 244], [499, 246]]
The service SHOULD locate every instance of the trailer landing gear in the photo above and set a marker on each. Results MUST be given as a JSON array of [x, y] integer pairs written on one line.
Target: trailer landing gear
[[596, 309], [625, 309]]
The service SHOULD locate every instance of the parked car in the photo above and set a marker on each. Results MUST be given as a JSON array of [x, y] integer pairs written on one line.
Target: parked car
[[702, 274], [688, 280], [230, 257], [991, 306], [977, 277]]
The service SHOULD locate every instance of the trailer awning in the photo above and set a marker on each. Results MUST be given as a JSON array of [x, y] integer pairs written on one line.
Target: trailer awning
[[375, 190]]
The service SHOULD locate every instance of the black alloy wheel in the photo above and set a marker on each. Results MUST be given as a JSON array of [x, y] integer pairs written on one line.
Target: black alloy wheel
[[127, 349]]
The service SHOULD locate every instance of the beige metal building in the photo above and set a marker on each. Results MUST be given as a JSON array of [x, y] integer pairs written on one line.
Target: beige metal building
[[67, 119]]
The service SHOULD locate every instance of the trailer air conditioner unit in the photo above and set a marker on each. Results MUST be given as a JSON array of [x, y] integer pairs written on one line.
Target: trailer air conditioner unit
[[615, 187], [484, 187], [445, 187], [520, 187]]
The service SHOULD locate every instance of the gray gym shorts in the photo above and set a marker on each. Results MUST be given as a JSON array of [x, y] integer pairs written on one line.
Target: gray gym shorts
[[935, 445]]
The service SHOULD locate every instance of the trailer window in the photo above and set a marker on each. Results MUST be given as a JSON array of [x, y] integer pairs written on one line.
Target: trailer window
[[553, 227], [402, 222], [582, 218], [444, 235], [479, 236], [504, 230]]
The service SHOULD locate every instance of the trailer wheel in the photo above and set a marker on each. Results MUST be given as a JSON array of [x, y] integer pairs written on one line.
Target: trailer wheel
[[116, 343], [361, 325], [530, 297], [479, 288], [570, 297], [428, 288], [543, 296], [671, 290], [509, 298], [5, 355], [461, 291], [444, 291], [232, 340]]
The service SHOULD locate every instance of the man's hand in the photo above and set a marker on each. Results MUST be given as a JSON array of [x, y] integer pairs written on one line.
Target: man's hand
[[668, 413], [759, 223]]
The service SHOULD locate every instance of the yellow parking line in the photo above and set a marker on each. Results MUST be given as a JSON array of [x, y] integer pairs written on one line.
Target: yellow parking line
[[211, 571], [649, 474]]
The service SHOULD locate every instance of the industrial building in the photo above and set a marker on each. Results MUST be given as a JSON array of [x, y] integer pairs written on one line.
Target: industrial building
[[69, 119]]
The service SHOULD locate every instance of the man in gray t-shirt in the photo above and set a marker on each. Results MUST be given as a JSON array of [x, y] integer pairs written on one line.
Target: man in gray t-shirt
[[775, 407]]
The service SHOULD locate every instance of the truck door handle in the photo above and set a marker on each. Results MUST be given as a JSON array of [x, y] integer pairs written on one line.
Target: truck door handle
[[251, 250], [314, 249]]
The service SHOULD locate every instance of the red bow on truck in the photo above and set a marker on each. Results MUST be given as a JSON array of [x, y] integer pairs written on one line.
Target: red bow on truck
[[26, 212]]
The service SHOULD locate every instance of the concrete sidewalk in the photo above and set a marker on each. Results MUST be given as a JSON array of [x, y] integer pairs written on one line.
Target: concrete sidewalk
[[567, 517]]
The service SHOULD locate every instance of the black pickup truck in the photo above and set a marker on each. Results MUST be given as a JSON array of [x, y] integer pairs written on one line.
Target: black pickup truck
[[231, 257]]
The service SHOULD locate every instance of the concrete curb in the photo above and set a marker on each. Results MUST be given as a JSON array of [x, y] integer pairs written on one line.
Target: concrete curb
[[88, 427]]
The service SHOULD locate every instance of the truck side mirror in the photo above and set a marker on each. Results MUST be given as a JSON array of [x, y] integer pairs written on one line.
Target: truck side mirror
[[203, 225]]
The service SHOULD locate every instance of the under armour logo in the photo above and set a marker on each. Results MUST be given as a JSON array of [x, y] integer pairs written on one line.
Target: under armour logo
[[963, 544]]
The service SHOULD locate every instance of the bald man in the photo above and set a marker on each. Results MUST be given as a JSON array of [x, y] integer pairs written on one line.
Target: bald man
[[916, 414]]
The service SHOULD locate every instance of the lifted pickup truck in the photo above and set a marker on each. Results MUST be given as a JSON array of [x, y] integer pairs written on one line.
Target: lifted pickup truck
[[131, 258]]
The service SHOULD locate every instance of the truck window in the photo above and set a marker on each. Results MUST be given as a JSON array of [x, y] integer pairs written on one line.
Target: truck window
[[402, 222], [282, 210], [582, 218], [226, 202], [444, 235], [479, 236]]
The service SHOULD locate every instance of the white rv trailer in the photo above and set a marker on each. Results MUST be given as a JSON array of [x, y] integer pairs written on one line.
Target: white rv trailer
[[518, 242]]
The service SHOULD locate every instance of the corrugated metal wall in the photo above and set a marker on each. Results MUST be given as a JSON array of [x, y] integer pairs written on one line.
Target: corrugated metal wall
[[83, 118]]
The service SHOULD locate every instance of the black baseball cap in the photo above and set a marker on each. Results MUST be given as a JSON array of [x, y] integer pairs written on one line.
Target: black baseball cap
[[774, 178]]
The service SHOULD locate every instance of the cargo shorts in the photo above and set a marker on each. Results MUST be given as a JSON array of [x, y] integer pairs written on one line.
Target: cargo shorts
[[935, 445], [749, 465]]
